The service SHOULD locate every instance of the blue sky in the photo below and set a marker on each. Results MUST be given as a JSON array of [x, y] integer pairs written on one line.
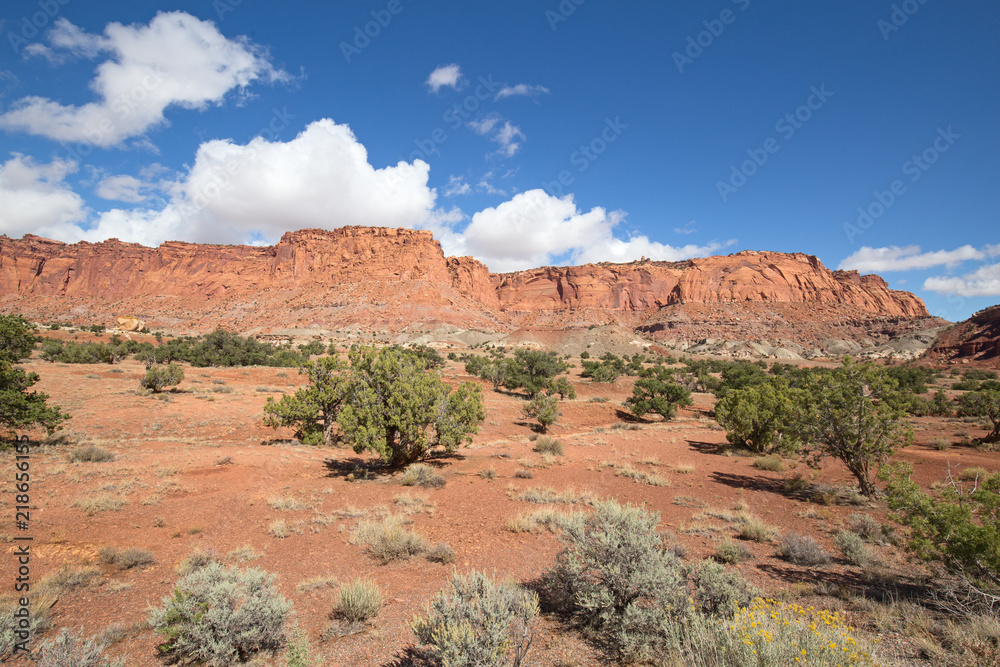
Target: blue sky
[[523, 133]]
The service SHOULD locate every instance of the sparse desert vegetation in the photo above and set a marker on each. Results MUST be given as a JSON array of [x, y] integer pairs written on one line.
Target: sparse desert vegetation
[[193, 504]]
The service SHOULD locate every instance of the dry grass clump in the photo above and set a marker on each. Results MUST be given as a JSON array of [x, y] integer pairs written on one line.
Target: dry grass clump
[[440, 553], [864, 526], [488, 474], [521, 473], [125, 559], [551, 520], [728, 551], [198, 559], [420, 474], [973, 473], [357, 601], [90, 454], [547, 496], [103, 502], [279, 529], [387, 540], [640, 476], [769, 463], [547, 445], [287, 503], [757, 530], [684, 468]]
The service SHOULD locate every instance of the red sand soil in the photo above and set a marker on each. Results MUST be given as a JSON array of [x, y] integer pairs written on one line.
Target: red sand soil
[[181, 494]]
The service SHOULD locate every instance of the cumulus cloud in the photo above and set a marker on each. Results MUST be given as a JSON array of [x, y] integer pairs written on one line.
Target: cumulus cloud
[[909, 258], [521, 90], [176, 60], [322, 178], [445, 75], [254, 192], [34, 197], [984, 281], [122, 188], [457, 186], [500, 131], [533, 228]]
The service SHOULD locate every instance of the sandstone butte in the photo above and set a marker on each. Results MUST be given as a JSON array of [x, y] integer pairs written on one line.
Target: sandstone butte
[[399, 280]]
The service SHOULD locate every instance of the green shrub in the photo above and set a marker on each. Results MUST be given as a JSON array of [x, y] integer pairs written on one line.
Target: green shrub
[[617, 575], [90, 454], [476, 621], [718, 590], [69, 650], [221, 615], [802, 550], [757, 416], [657, 391], [419, 474], [544, 409], [299, 654], [547, 445], [159, 378], [852, 547], [358, 601]]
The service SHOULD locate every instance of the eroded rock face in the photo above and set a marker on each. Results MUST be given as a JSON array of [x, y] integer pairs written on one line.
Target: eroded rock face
[[361, 278], [977, 339]]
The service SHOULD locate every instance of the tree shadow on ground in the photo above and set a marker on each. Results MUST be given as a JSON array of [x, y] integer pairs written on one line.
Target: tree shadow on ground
[[838, 583], [631, 418], [708, 447], [355, 468], [747, 482], [412, 657]]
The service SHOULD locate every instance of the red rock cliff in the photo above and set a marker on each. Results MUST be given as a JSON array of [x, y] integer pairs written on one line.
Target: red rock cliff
[[393, 279]]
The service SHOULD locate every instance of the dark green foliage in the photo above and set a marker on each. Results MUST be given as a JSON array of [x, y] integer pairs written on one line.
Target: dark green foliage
[[849, 414], [984, 404], [608, 369], [19, 407], [959, 529], [758, 416], [741, 375], [942, 407], [312, 411], [399, 410], [911, 379], [657, 391], [585, 355], [561, 386], [221, 615], [17, 339], [312, 348], [544, 409], [159, 378], [532, 370], [432, 360]]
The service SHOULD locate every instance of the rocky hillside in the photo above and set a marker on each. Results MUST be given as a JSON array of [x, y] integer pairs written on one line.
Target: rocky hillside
[[977, 339], [365, 279]]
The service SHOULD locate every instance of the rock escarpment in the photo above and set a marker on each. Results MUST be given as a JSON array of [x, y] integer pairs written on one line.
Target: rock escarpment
[[397, 280]]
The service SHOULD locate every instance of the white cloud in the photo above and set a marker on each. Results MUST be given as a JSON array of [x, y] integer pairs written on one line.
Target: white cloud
[[910, 258], [176, 60], [33, 197], [500, 131], [121, 188], [235, 193], [457, 186], [533, 228], [521, 89], [445, 75], [984, 281], [688, 228]]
